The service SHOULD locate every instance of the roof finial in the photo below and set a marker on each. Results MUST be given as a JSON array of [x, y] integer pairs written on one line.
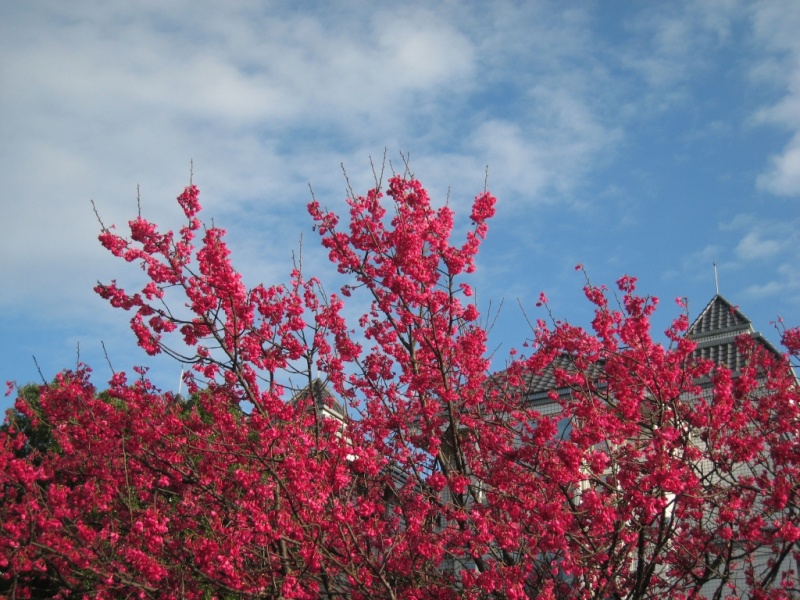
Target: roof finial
[[716, 279]]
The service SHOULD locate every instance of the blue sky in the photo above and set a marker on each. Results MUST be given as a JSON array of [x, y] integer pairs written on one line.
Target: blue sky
[[643, 138]]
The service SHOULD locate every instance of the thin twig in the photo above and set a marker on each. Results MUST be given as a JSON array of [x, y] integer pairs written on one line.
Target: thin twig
[[97, 214], [378, 178], [407, 165], [350, 193], [38, 368], [108, 360]]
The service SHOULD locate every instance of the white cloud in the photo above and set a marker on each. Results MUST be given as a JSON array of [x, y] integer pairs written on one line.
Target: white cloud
[[785, 285], [771, 288], [772, 244], [99, 99], [669, 44], [783, 175], [760, 237], [753, 247], [550, 150], [775, 27]]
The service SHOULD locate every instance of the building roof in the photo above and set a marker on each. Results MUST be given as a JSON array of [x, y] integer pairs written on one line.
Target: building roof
[[324, 399], [537, 385], [715, 331]]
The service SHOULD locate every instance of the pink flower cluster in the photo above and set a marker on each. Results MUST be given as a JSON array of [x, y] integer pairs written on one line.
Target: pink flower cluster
[[412, 471]]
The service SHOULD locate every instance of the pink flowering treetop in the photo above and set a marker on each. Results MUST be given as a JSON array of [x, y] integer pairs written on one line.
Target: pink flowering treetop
[[621, 478]]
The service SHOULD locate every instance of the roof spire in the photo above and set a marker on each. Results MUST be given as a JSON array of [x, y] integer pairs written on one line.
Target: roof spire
[[716, 279]]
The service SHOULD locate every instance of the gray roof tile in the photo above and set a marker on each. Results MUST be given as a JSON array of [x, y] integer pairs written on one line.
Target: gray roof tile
[[715, 331], [323, 397]]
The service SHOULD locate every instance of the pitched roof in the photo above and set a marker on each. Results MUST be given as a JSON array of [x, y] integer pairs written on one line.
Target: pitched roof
[[715, 331], [537, 385], [717, 317], [324, 399]]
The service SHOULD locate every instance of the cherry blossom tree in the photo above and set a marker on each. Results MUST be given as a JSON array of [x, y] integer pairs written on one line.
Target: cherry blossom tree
[[593, 466]]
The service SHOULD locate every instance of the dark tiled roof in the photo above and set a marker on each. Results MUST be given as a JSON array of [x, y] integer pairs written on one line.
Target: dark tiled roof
[[719, 316], [537, 385], [323, 397], [715, 331]]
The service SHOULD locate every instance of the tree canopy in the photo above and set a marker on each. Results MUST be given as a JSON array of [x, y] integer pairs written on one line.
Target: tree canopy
[[594, 466]]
